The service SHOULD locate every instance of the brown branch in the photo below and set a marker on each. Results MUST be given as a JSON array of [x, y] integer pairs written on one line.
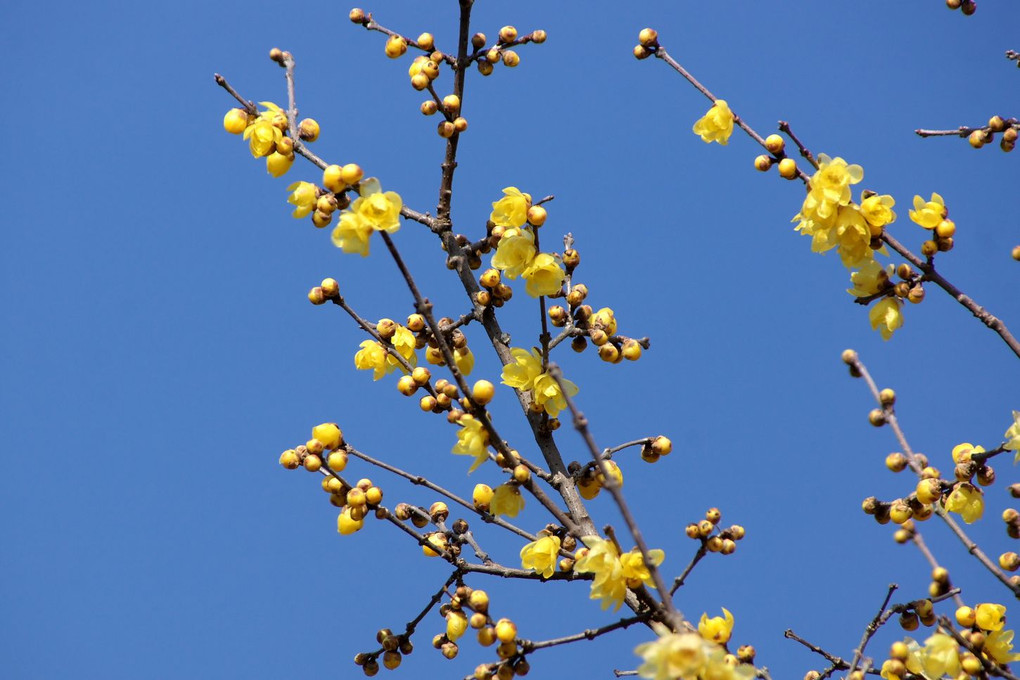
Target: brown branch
[[590, 634], [248, 105], [872, 628]]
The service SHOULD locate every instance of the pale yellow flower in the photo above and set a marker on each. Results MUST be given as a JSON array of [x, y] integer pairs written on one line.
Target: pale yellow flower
[[515, 251], [373, 356], [990, 616], [937, 658], [718, 628], [351, 233], [716, 125], [472, 440], [966, 500], [378, 209], [542, 555], [526, 368], [512, 209], [928, 214], [886, 317], [871, 278], [506, 500], [549, 396], [302, 195]]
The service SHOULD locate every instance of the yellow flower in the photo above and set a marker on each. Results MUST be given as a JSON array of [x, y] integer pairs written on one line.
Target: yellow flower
[[403, 341], [277, 164], [526, 368], [303, 195], [548, 395], [506, 500], [347, 525], [852, 237], [378, 209], [544, 275], [871, 278], [605, 319], [351, 233], [828, 192], [464, 359], [515, 251], [634, 570], [999, 645], [877, 210], [512, 209], [613, 573], [990, 616], [373, 356], [262, 137], [541, 556], [716, 125], [963, 452], [967, 501], [718, 628], [832, 181], [674, 655], [937, 658], [928, 214], [456, 624], [1012, 437], [886, 317], [472, 440]]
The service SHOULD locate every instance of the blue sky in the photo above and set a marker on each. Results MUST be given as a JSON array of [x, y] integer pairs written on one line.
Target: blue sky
[[159, 352]]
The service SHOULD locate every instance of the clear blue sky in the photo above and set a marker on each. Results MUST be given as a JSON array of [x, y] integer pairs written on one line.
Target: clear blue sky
[[159, 352]]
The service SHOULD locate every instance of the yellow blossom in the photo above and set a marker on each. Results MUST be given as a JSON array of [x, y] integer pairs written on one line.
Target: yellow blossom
[[716, 125], [990, 616], [378, 209], [605, 319], [937, 658], [614, 573], [871, 278], [526, 368], [544, 275], [456, 624], [833, 179], [886, 317], [465, 360], [967, 501], [634, 570], [999, 645], [472, 440], [877, 210], [852, 237], [688, 656], [548, 395], [262, 137], [512, 209], [828, 192], [515, 251], [542, 555], [373, 356], [718, 628], [403, 341], [506, 500], [352, 233], [277, 164], [1012, 437], [347, 525], [928, 214], [302, 195]]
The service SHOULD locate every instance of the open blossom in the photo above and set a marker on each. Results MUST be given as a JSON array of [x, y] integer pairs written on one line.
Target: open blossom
[[966, 500], [372, 356], [1012, 437], [851, 237], [515, 251], [614, 573], [351, 233], [938, 657], [472, 440], [871, 278], [542, 555], [718, 628], [549, 396], [378, 209], [877, 210], [885, 316], [688, 656], [302, 195], [512, 209], [928, 214], [999, 645], [266, 130], [990, 616], [526, 368], [716, 125], [544, 275], [833, 179], [403, 341], [506, 500]]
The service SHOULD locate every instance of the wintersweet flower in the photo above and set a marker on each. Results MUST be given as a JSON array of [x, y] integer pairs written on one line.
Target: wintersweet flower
[[928, 214], [886, 317], [833, 179], [852, 237], [302, 195], [549, 396], [378, 209], [967, 501], [613, 573], [278, 164], [963, 452], [506, 500], [937, 658], [351, 233], [373, 356], [634, 570], [1012, 437], [542, 555], [716, 125], [990, 616], [870, 279], [718, 628], [465, 360], [472, 440], [688, 656], [999, 645], [515, 251], [403, 341], [526, 368], [877, 210], [512, 209], [544, 275], [262, 137], [456, 624]]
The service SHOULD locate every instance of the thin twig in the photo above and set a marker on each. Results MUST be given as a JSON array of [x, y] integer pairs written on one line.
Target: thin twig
[[872, 628]]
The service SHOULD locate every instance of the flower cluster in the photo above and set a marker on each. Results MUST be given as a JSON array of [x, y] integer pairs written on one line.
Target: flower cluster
[[614, 573], [379, 357], [267, 137], [516, 254], [716, 125], [472, 440], [689, 656], [373, 210], [527, 375]]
